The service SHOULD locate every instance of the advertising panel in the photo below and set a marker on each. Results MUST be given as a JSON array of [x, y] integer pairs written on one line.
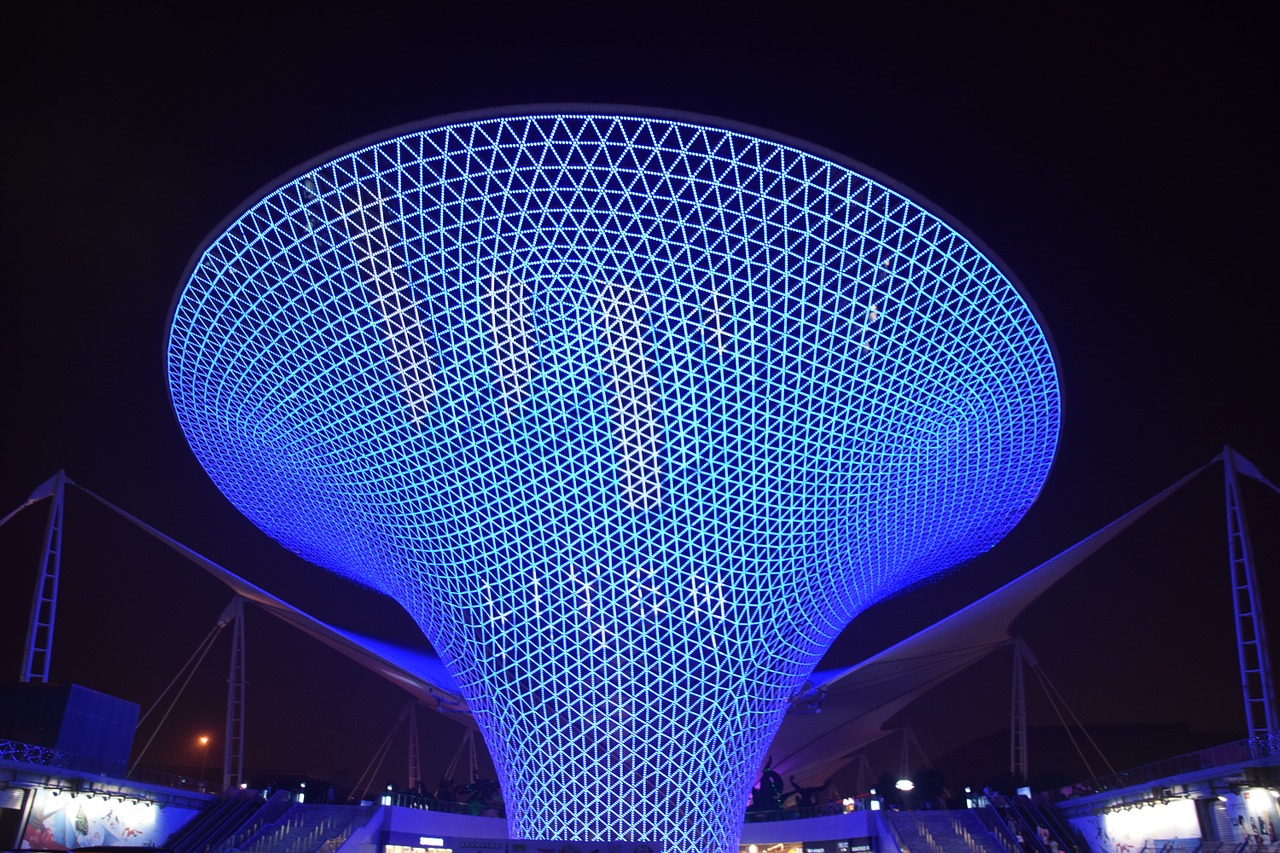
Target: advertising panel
[[1254, 817], [62, 820], [1128, 830]]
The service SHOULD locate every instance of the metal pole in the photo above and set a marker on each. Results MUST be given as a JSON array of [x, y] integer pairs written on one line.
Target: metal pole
[[233, 757], [416, 782], [904, 761], [471, 756], [1018, 762], [44, 602]]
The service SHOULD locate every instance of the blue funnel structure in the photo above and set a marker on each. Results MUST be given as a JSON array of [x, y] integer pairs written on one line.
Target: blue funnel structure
[[632, 413]]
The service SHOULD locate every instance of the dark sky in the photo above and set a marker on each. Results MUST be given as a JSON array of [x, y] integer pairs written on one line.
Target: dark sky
[[1121, 162]]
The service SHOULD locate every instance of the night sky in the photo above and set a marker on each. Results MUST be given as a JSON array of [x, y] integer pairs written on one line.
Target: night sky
[[1122, 164]]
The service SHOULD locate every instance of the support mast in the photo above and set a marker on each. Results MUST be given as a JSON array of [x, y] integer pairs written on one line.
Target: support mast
[[416, 782], [1018, 762], [233, 758], [1251, 637], [44, 602]]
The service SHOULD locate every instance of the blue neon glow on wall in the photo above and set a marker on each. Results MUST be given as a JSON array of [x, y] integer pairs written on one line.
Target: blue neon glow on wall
[[633, 416]]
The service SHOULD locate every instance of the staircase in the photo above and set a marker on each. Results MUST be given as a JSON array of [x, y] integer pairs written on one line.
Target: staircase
[[944, 832], [231, 810], [307, 829], [274, 809]]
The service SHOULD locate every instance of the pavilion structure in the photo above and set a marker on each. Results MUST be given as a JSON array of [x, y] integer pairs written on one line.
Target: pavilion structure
[[632, 412]]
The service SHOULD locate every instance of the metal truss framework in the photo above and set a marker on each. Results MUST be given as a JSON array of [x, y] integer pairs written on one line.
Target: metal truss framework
[[1257, 683], [632, 414]]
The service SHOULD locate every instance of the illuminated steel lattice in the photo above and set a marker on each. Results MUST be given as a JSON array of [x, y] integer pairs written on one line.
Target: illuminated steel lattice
[[632, 414]]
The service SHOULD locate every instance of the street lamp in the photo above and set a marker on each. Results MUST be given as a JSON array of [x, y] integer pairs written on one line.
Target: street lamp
[[204, 758], [906, 786]]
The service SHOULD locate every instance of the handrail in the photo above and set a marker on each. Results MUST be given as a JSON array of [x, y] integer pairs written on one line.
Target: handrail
[[34, 755], [232, 809], [996, 826], [974, 844], [762, 816], [1030, 837], [928, 837], [411, 800], [1234, 752], [892, 828], [278, 805], [306, 829]]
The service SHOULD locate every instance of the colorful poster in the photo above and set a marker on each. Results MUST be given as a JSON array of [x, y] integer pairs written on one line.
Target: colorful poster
[[1254, 817], [65, 820], [1128, 830]]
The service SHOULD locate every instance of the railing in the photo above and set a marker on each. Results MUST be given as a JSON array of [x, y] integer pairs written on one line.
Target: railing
[[953, 831], [923, 832], [1197, 845], [1067, 835], [1237, 752], [336, 841], [230, 811], [995, 825], [975, 844], [753, 816], [913, 827], [339, 831], [1015, 808], [1223, 847], [1036, 815], [307, 829], [45, 756], [892, 829], [408, 800], [1176, 845], [270, 811]]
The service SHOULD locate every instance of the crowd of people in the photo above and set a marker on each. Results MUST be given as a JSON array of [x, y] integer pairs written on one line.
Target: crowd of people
[[770, 797], [482, 797]]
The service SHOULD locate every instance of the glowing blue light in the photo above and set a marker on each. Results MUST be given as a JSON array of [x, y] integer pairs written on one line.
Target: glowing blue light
[[633, 415]]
